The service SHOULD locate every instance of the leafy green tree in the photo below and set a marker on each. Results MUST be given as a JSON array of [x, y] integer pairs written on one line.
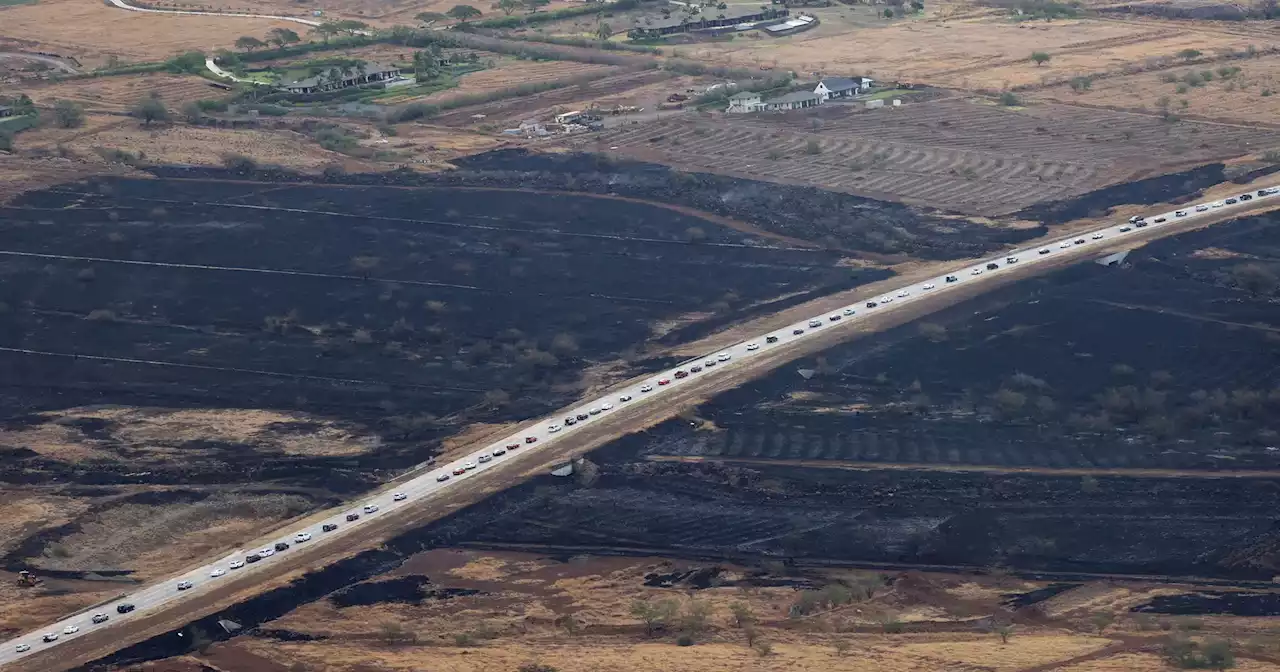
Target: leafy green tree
[[427, 18], [150, 109], [508, 6], [604, 31], [282, 37], [1008, 99], [68, 114], [249, 43], [1040, 58], [1189, 54], [463, 13]]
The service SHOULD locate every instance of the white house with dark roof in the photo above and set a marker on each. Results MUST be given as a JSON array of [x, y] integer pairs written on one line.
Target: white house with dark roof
[[744, 102], [842, 87], [796, 100]]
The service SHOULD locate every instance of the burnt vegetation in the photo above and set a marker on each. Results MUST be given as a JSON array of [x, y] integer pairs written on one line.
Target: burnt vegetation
[[1165, 363], [408, 312]]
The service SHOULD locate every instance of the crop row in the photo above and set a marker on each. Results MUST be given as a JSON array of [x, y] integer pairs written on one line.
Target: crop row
[[956, 179]]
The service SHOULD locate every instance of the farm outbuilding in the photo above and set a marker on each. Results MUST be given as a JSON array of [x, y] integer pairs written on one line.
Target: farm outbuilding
[[6, 111], [651, 28], [796, 100]]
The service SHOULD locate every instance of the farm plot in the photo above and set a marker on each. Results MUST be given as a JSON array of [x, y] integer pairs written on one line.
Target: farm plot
[[1234, 92], [92, 29], [505, 74], [405, 311], [118, 94], [949, 153], [954, 53], [540, 104]]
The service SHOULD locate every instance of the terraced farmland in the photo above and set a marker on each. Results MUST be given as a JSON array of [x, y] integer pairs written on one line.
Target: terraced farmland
[[538, 105], [950, 153], [507, 73], [117, 94]]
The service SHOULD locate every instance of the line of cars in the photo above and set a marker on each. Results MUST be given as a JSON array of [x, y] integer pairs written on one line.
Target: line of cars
[[684, 372]]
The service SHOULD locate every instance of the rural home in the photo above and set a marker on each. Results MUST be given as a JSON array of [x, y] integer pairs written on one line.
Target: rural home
[[6, 111], [710, 18], [745, 101], [345, 78], [842, 87], [796, 100]]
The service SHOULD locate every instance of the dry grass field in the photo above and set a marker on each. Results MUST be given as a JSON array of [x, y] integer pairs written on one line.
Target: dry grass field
[[93, 30], [507, 73], [518, 615], [380, 13], [1250, 96], [950, 153], [119, 94]]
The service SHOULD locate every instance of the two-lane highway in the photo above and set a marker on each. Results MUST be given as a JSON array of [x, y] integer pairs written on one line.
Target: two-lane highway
[[431, 482]]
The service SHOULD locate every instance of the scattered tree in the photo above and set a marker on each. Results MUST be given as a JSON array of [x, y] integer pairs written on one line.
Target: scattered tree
[[192, 112], [1008, 99], [1189, 54], [1081, 84], [463, 13], [68, 114], [394, 632], [1102, 620], [751, 635], [249, 43], [763, 648], [428, 18], [812, 147], [1040, 58], [888, 14], [536, 667], [508, 6], [843, 648], [1005, 631], [742, 616], [604, 31], [150, 109], [282, 37], [655, 615], [694, 619]]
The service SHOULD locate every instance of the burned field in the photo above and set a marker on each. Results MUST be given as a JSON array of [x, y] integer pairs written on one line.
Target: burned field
[[1081, 422], [947, 153], [402, 312]]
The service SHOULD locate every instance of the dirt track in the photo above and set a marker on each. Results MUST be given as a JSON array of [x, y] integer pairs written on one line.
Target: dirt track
[[98, 644]]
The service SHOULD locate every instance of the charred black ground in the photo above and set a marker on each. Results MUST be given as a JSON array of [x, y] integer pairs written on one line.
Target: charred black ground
[[1136, 378]]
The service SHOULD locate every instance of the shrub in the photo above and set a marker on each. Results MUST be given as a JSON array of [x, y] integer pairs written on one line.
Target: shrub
[[1008, 99]]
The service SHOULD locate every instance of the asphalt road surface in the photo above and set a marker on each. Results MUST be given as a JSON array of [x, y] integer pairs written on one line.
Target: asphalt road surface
[[548, 430]]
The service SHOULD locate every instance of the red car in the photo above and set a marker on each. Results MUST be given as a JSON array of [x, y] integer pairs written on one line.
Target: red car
[[530, 439], [513, 446], [458, 471], [664, 381]]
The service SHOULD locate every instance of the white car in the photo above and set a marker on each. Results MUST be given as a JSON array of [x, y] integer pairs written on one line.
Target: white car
[[1010, 260], [1096, 236], [624, 398], [399, 497], [928, 286], [849, 311], [709, 363], [1201, 208], [71, 630], [268, 552], [724, 357], [886, 299], [1216, 204], [301, 537], [485, 458], [1065, 244], [370, 508], [182, 585], [236, 564], [100, 618], [555, 428], [217, 572], [469, 466], [903, 294], [23, 648], [976, 271], [814, 324], [753, 346], [1180, 213], [50, 637], [606, 406], [646, 388]]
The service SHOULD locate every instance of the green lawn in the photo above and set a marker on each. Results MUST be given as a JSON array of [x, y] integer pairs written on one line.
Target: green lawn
[[15, 3]]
